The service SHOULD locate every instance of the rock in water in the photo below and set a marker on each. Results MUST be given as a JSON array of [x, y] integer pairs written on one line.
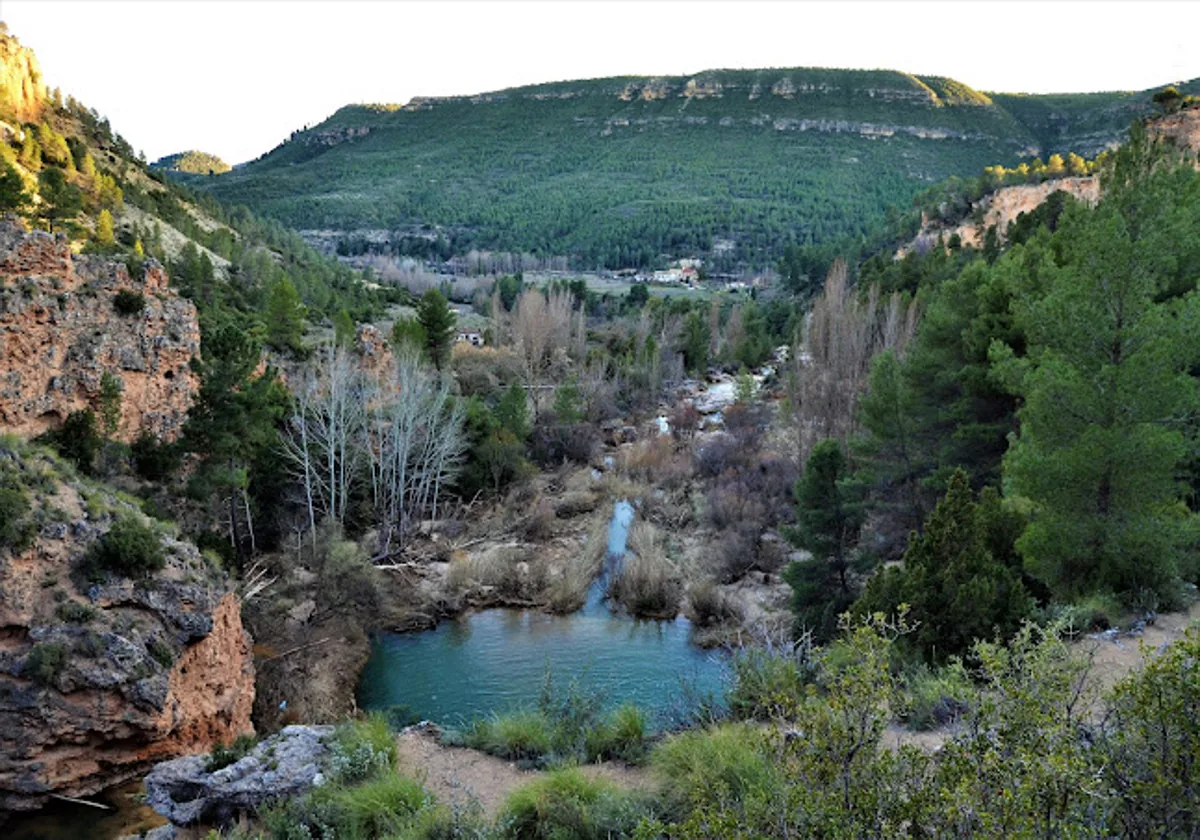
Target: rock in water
[[285, 765]]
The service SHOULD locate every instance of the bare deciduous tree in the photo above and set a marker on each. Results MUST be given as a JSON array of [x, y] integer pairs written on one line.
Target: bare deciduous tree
[[414, 443], [541, 325], [830, 363]]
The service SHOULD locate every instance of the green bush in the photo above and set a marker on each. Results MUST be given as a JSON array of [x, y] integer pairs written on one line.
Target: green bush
[[933, 698], [17, 529], [1098, 611], [568, 725], [223, 755], [362, 749], [702, 767], [525, 735], [622, 735], [44, 662], [78, 439], [566, 805], [129, 548], [74, 612], [764, 683], [154, 461], [129, 303], [379, 807]]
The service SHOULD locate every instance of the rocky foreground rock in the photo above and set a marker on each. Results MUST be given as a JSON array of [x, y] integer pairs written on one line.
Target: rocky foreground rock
[[100, 680], [285, 765]]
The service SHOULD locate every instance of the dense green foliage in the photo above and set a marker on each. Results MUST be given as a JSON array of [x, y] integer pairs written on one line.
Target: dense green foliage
[[956, 590], [130, 548], [16, 527], [829, 515], [620, 172]]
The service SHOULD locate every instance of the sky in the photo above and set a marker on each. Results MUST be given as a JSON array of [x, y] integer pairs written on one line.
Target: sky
[[236, 78]]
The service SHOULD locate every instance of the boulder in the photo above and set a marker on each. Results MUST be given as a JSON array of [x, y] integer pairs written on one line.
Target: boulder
[[285, 765]]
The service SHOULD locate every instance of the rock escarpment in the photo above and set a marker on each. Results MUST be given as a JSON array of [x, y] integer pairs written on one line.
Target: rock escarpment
[[64, 323], [22, 89], [101, 677]]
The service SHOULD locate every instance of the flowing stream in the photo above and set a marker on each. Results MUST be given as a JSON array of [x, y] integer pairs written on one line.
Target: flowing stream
[[496, 660]]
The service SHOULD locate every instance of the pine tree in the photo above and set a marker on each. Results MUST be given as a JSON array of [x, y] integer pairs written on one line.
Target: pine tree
[[60, 198], [13, 197], [437, 319], [957, 591], [829, 514], [1107, 388], [285, 317], [512, 412], [344, 329]]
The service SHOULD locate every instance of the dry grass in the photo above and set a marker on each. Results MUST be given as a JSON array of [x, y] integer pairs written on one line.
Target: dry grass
[[648, 585], [658, 461], [567, 591]]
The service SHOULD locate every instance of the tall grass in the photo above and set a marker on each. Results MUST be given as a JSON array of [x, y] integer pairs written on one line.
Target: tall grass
[[567, 592], [648, 584], [567, 804], [568, 726], [721, 764]]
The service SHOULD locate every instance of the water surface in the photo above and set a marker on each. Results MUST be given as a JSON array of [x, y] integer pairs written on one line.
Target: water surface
[[496, 660]]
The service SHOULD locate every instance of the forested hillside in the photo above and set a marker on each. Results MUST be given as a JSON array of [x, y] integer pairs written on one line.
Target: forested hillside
[[618, 172]]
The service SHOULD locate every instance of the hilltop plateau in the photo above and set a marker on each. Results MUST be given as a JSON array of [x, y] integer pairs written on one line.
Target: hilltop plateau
[[627, 171]]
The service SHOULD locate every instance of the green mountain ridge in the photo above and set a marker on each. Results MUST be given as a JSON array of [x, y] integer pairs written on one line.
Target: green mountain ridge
[[733, 164]]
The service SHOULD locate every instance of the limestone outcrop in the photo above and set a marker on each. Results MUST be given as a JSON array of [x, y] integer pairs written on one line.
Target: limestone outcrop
[[287, 764], [22, 88], [64, 323], [100, 680]]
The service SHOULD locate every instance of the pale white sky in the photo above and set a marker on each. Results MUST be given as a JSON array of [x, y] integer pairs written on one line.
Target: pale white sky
[[235, 78]]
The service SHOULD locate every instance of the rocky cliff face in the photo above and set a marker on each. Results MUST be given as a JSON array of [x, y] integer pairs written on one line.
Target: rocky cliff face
[[61, 331], [22, 89], [98, 681], [1001, 209]]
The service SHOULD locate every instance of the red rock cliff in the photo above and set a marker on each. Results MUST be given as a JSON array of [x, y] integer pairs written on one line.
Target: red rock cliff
[[143, 670], [60, 331]]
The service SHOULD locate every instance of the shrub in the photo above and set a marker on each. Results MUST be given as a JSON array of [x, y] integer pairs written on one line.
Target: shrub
[[1153, 738], [223, 755], [154, 461], [379, 807], [621, 735], [130, 548], [44, 662], [16, 527], [129, 303], [1098, 611], [566, 804], [934, 698], [518, 736], [362, 749], [74, 612], [567, 726], [715, 454], [703, 767], [79, 439], [765, 684], [710, 605], [647, 584]]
